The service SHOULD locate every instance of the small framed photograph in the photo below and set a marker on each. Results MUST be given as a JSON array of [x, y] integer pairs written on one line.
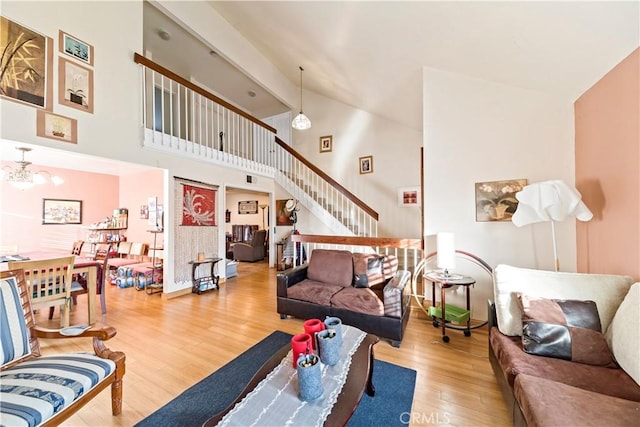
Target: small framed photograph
[[75, 85], [409, 197], [60, 211], [144, 212], [58, 127], [75, 48], [366, 164], [326, 143]]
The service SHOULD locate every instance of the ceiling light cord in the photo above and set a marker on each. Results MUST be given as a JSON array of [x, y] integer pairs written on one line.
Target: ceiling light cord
[[301, 70]]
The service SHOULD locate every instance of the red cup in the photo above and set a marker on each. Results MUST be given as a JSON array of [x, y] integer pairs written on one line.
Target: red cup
[[300, 344], [311, 327]]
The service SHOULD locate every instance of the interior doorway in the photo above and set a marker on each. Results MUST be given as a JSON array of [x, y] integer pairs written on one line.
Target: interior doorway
[[247, 222]]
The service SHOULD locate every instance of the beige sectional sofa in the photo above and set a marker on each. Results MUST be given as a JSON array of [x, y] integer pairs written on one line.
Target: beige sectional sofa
[[554, 366]]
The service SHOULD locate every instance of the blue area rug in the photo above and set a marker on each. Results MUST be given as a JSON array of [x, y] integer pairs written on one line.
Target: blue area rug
[[394, 391]]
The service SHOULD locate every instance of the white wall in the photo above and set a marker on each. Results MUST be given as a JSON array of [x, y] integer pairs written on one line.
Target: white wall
[[477, 131], [115, 31], [396, 158], [114, 130]]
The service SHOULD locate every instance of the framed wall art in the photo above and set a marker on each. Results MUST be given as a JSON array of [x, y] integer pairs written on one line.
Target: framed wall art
[[198, 206], [75, 48], [57, 127], [326, 143], [366, 164], [60, 211], [496, 200], [26, 66], [144, 211], [75, 85], [409, 197], [282, 215], [248, 207]]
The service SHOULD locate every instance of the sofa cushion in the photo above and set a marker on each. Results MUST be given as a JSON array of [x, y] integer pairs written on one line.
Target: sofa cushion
[[35, 390], [623, 334], [331, 266], [539, 397], [358, 300], [607, 291], [513, 362], [14, 334], [367, 270], [389, 266], [312, 291], [565, 329]]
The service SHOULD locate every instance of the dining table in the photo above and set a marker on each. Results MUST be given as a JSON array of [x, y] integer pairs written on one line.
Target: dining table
[[81, 265]]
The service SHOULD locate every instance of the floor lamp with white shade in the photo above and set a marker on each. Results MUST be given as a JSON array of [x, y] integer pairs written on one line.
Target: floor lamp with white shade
[[549, 201]]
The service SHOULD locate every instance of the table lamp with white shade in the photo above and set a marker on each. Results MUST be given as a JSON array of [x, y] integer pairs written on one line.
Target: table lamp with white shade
[[446, 250]]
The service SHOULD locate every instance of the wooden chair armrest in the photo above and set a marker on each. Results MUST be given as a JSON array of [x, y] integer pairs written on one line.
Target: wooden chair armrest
[[100, 332]]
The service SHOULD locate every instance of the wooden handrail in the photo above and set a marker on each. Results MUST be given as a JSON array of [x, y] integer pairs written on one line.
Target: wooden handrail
[[376, 242], [139, 59], [349, 195]]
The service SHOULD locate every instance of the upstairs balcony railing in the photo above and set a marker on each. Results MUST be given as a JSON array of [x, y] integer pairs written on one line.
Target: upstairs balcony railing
[[183, 118]]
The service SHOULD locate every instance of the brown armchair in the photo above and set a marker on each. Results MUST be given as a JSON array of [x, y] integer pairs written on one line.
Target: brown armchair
[[253, 251]]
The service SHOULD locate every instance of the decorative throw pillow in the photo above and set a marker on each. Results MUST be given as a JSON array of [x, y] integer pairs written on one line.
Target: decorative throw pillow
[[389, 266], [564, 329], [367, 270]]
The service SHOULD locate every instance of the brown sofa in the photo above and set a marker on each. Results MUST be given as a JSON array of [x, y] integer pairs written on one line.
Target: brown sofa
[[364, 290], [552, 391]]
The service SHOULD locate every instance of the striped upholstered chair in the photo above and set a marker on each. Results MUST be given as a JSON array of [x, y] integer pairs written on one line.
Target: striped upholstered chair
[[45, 390]]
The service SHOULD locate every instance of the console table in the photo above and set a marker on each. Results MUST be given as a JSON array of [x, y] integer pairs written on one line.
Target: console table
[[208, 281]]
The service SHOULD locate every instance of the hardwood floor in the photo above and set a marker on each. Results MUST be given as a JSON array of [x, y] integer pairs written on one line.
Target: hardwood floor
[[172, 344]]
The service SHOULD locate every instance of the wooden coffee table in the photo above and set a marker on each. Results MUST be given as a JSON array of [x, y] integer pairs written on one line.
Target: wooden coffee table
[[359, 379]]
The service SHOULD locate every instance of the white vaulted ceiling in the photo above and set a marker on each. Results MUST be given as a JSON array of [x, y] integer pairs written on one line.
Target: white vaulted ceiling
[[370, 54]]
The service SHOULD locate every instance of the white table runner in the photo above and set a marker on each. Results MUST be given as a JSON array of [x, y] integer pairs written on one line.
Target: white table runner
[[275, 400]]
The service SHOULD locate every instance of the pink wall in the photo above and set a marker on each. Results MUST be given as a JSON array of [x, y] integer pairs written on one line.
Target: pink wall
[[147, 184], [608, 171], [21, 211]]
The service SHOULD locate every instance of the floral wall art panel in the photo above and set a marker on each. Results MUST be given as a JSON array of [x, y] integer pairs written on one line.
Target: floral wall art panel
[[26, 65], [496, 200], [75, 85], [198, 206]]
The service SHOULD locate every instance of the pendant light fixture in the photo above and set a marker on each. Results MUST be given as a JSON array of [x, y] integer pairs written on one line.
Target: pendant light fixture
[[301, 122], [23, 177]]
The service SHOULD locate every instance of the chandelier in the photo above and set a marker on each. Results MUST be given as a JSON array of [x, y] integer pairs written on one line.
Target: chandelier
[[22, 177], [301, 122]]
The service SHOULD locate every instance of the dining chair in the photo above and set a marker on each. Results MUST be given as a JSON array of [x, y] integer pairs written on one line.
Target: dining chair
[[79, 283], [50, 283], [77, 247]]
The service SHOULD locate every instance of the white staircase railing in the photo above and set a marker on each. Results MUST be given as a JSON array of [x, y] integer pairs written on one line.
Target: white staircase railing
[[184, 119]]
